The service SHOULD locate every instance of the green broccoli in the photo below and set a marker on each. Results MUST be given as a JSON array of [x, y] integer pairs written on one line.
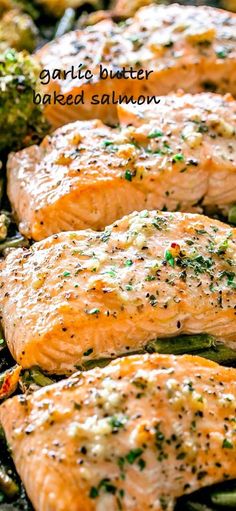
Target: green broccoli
[[22, 123], [17, 30], [22, 5], [27, 6]]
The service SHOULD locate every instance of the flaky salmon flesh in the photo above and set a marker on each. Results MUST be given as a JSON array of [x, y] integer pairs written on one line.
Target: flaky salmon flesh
[[81, 296], [133, 436], [179, 155], [187, 47]]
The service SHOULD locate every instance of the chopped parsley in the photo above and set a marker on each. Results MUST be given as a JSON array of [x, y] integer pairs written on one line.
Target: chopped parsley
[[88, 352], [223, 247], [169, 258], [159, 223], [94, 311], [129, 175], [149, 278], [66, 274], [105, 236], [93, 494], [117, 422], [222, 53], [199, 263], [107, 143], [155, 134], [178, 157], [141, 464], [227, 444], [104, 484], [133, 455], [153, 300], [230, 275]]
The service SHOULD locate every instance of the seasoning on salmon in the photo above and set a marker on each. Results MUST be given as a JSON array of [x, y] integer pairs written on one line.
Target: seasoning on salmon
[[132, 437], [81, 296], [180, 155], [187, 47]]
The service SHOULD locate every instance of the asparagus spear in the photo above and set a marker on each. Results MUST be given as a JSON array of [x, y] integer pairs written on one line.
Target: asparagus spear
[[2, 343], [15, 242], [7, 485], [34, 378], [66, 22], [224, 499], [90, 364], [182, 344], [221, 354], [203, 345], [232, 215], [40, 378], [197, 506]]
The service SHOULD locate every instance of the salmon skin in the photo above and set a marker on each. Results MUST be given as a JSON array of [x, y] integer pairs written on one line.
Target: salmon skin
[[178, 155], [187, 47], [81, 296], [133, 436]]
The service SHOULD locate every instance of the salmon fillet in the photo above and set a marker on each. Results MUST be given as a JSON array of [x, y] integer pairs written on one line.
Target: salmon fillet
[[179, 155], [186, 47], [133, 436], [82, 296]]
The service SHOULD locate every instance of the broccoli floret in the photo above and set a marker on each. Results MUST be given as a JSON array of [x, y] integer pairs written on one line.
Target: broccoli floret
[[27, 6], [17, 30], [22, 122], [22, 5], [5, 221]]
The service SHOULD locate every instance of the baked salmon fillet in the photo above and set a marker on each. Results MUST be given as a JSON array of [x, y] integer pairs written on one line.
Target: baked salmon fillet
[[179, 155], [133, 436], [78, 297], [187, 47]]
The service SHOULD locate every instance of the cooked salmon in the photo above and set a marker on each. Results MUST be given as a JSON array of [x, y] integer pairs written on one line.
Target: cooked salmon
[[187, 47], [81, 296], [179, 155], [132, 437]]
